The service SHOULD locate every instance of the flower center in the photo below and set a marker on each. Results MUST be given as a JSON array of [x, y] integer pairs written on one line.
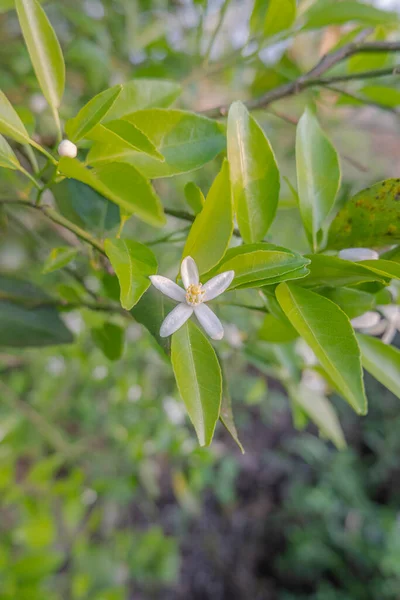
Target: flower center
[[194, 294]]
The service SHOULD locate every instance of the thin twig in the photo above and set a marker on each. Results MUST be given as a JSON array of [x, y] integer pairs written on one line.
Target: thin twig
[[210, 46]]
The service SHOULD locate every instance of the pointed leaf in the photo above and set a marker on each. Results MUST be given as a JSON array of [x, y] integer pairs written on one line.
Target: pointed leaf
[[211, 231], [150, 312], [328, 332], [318, 174], [7, 156], [122, 184], [198, 376], [370, 219], [333, 271], [194, 197], [116, 139], [272, 16], [59, 258], [187, 141], [10, 123], [133, 263], [254, 173], [44, 49], [144, 93], [226, 416], [91, 114], [382, 361]]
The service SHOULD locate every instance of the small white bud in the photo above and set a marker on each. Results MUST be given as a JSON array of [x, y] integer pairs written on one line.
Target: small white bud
[[67, 148], [367, 320], [356, 254]]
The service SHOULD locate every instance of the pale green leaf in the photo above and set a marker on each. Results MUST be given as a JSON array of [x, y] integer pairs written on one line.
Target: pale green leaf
[[133, 263], [59, 258], [318, 174], [199, 379], [322, 14], [382, 361], [122, 184], [144, 93], [254, 174], [270, 17], [7, 156], [10, 123], [44, 49], [91, 114], [385, 95], [328, 332], [194, 197], [211, 231]]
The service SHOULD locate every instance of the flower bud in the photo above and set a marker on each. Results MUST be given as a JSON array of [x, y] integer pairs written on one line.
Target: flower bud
[[356, 254], [67, 148]]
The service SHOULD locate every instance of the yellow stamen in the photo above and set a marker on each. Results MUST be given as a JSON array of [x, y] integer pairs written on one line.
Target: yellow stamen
[[194, 294]]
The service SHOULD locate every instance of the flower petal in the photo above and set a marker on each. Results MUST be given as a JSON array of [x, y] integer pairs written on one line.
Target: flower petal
[[366, 320], [168, 287], [176, 318], [209, 321], [356, 254], [217, 285], [189, 272]]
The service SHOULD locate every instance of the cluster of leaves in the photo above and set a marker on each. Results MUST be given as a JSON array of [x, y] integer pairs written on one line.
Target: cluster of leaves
[[128, 138]]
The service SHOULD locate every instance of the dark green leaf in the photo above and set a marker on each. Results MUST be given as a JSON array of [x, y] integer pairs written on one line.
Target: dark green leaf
[[352, 301], [333, 271], [110, 339], [150, 312], [199, 379], [276, 331]]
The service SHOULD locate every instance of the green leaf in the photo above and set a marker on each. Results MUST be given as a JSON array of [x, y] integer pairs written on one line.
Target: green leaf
[[382, 361], [255, 263], [23, 322], [144, 93], [211, 231], [110, 340], [384, 268], [91, 114], [44, 49], [122, 184], [186, 140], [383, 94], [254, 174], [194, 197], [226, 416], [85, 207], [7, 156], [270, 17], [322, 14], [10, 123], [133, 263], [318, 174], [276, 331], [370, 219], [321, 412], [333, 271], [328, 332], [352, 301], [199, 379], [393, 254], [118, 138], [59, 258], [150, 312]]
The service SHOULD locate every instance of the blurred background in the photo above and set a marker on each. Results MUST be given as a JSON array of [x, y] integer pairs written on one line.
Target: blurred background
[[104, 492]]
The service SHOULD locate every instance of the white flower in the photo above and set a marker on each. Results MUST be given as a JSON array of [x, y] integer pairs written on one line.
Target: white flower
[[192, 298], [356, 254], [67, 148]]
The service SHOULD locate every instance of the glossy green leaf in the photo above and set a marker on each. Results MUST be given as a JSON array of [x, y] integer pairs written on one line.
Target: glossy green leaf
[[353, 302], [322, 14], [370, 219], [393, 254], [122, 184], [257, 262], [110, 340], [85, 207], [133, 263], [186, 140], [328, 332], [59, 258], [275, 331], [10, 123], [270, 17], [333, 271], [211, 231], [384, 268], [382, 361], [44, 49], [318, 174], [194, 197], [117, 138], [199, 379], [254, 174], [25, 319], [144, 93], [91, 114], [321, 412], [7, 156], [150, 312]]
